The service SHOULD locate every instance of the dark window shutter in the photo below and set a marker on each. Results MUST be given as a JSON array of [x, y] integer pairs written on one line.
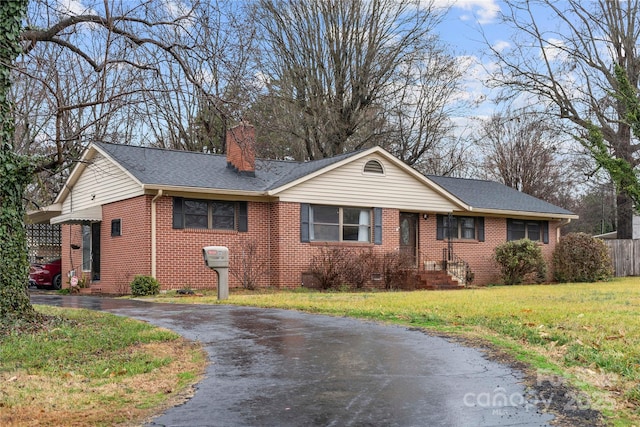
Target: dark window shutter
[[509, 230], [304, 222], [480, 222], [545, 231], [439, 227], [243, 217], [178, 212], [377, 229]]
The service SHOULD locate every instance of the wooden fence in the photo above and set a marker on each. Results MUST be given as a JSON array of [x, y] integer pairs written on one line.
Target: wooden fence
[[625, 256]]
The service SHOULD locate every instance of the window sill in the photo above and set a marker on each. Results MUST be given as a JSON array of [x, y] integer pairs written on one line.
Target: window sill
[[537, 242], [208, 231], [342, 244]]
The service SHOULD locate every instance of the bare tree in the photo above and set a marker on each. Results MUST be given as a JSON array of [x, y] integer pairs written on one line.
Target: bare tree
[[116, 40], [60, 104], [330, 64], [523, 150], [222, 56], [418, 126], [566, 57], [597, 210], [151, 73]]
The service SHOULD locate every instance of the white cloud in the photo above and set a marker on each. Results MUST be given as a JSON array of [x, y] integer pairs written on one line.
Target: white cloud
[[482, 11], [501, 45], [70, 7], [472, 92], [176, 9], [554, 50]]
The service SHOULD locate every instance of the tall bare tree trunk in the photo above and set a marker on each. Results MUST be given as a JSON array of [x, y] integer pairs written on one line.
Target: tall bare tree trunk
[[15, 175]]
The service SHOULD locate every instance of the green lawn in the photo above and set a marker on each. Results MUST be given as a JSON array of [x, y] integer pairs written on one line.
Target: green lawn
[[588, 332], [93, 369]]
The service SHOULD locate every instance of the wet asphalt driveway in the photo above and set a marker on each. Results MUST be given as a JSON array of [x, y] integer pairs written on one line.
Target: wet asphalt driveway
[[285, 368]]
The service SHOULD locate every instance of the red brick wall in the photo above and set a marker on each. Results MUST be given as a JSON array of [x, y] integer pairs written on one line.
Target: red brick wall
[[276, 229], [275, 250], [179, 251], [479, 254], [123, 257], [280, 257], [240, 146], [291, 257]]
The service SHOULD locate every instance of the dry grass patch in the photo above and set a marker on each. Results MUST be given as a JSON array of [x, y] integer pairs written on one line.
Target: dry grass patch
[[114, 385]]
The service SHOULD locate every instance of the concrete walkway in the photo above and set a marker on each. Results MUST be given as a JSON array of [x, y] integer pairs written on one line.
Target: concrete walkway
[[285, 368]]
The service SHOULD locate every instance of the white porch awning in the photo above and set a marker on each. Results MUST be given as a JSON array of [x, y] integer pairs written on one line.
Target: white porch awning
[[44, 214], [82, 216]]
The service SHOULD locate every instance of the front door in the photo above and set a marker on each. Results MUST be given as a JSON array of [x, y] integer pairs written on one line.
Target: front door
[[409, 235], [95, 251]]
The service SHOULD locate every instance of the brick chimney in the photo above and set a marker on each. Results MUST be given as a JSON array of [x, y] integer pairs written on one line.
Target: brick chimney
[[241, 146]]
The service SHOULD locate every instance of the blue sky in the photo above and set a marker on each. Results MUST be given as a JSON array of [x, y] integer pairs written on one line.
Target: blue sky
[[460, 26], [464, 28], [460, 29]]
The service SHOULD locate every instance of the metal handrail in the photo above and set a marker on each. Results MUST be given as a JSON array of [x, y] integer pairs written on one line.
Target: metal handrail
[[455, 265], [450, 262]]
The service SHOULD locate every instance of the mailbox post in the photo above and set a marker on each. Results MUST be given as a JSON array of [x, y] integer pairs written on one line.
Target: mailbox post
[[217, 258]]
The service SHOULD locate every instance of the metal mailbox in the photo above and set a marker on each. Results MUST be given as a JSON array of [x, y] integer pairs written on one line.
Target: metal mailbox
[[217, 259], [216, 256]]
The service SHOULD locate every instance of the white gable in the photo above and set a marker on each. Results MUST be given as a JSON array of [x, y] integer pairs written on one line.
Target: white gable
[[350, 185], [100, 182]]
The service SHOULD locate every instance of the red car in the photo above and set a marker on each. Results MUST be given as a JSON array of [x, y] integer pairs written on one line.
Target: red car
[[46, 275]]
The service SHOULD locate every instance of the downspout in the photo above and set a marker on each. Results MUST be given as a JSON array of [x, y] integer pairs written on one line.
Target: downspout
[[154, 251], [563, 222]]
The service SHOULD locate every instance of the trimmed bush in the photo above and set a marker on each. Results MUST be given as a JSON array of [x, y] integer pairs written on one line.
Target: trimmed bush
[[579, 257], [144, 286], [520, 261]]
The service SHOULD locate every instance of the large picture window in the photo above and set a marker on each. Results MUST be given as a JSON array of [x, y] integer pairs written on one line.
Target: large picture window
[[460, 227], [209, 214], [335, 224]]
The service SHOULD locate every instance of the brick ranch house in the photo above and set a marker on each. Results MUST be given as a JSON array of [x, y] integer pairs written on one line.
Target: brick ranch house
[[128, 210]]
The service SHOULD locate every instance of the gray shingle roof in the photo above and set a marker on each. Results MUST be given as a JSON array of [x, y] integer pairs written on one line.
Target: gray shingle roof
[[482, 194], [157, 166]]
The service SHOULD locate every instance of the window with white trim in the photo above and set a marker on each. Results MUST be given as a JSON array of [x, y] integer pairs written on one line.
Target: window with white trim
[[336, 224]]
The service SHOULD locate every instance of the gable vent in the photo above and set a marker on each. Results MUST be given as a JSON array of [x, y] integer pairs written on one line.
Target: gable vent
[[373, 166]]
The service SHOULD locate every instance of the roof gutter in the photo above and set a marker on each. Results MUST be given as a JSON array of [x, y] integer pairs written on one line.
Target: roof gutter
[[542, 215], [200, 190]]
